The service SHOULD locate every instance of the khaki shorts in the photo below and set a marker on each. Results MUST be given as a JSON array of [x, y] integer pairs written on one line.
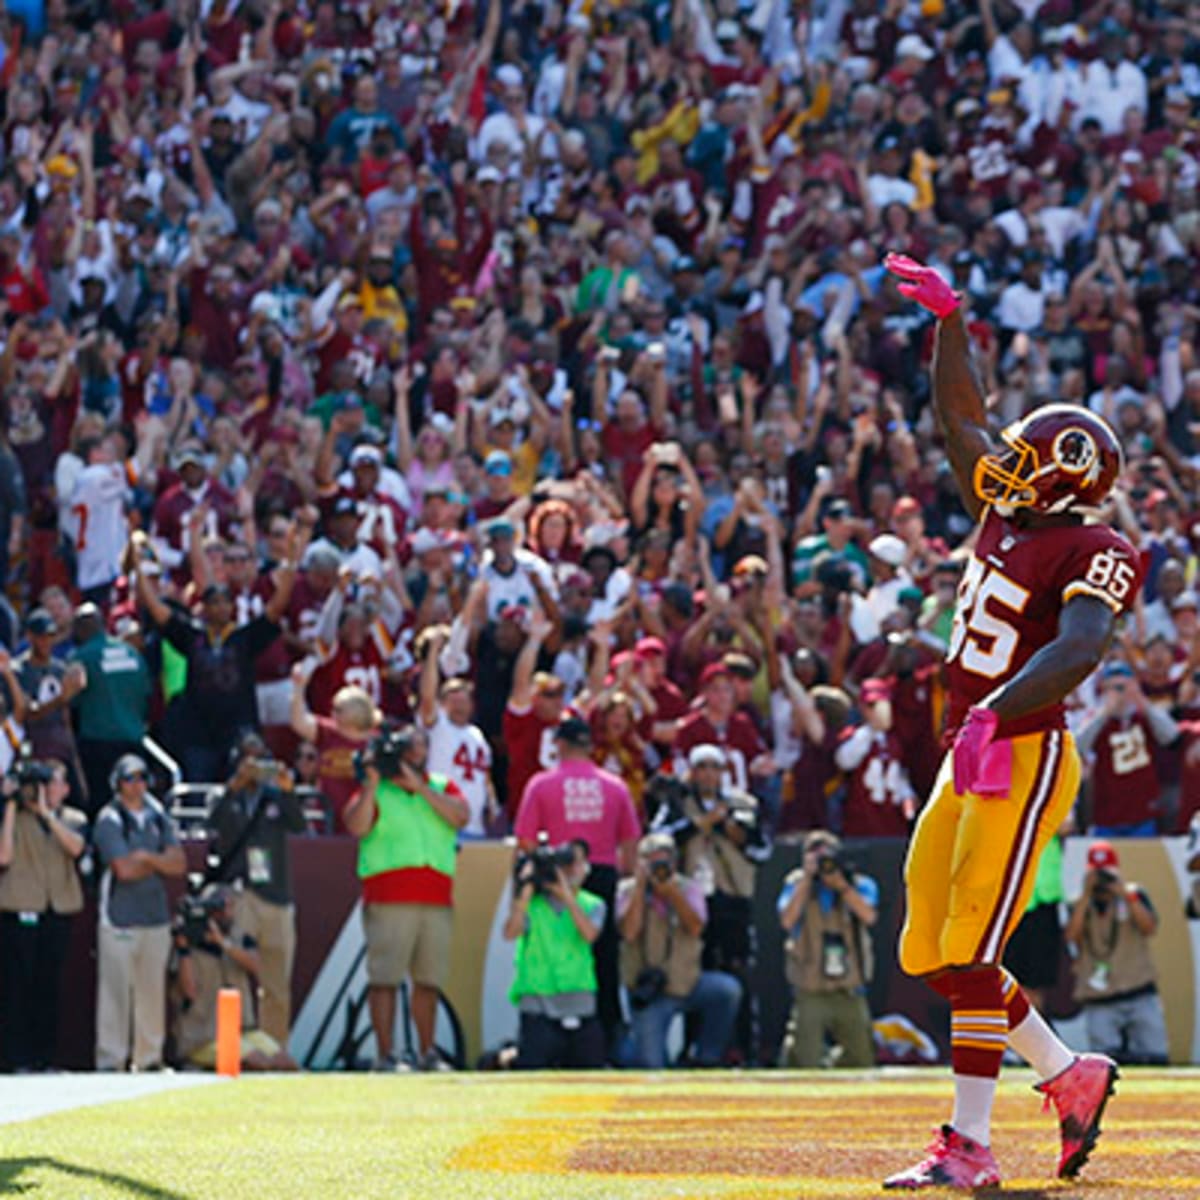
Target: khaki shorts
[[407, 940]]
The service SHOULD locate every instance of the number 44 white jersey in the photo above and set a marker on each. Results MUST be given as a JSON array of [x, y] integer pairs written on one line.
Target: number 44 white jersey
[[97, 522], [462, 753], [1011, 595]]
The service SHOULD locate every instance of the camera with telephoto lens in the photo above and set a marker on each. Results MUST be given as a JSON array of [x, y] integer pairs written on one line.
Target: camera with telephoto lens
[[546, 861], [661, 872], [199, 905], [385, 753]]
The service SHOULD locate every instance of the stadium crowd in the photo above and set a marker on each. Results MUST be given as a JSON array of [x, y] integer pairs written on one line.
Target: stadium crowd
[[527, 371]]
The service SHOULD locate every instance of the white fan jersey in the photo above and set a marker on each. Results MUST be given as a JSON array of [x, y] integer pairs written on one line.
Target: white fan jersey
[[462, 754], [98, 526]]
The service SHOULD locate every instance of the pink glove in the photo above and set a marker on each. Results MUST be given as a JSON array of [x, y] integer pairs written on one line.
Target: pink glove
[[924, 285], [974, 737]]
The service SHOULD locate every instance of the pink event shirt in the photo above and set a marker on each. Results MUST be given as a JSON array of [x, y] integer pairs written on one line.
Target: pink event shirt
[[579, 800]]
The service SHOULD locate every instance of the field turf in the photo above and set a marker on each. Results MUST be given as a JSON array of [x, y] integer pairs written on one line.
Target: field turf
[[598, 1137]]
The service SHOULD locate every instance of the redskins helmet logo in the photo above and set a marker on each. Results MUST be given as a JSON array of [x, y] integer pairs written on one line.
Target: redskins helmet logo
[[1075, 452]]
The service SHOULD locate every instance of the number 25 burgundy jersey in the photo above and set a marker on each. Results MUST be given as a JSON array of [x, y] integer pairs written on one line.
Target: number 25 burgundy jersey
[[1009, 600]]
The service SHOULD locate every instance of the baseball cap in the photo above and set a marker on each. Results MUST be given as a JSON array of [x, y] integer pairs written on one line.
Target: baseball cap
[[717, 670], [499, 415], [487, 174], [500, 528], [1116, 670], [648, 647], [518, 614], [130, 765], [574, 731], [190, 452], [509, 76], [362, 455], [498, 463], [888, 548], [838, 508], [40, 622], [912, 46], [706, 755], [906, 506], [214, 591], [345, 505], [1185, 600], [751, 564], [349, 300], [1101, 856]]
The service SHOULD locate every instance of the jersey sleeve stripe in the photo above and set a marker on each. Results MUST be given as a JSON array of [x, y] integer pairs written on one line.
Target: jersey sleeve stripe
[[1080, 588]]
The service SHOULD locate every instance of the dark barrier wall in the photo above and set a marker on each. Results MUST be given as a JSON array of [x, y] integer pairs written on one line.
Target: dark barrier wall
[[328, 981]]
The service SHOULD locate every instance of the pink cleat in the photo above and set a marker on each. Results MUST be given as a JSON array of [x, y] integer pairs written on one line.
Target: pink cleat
[[1079, 1094], [951, 1161]]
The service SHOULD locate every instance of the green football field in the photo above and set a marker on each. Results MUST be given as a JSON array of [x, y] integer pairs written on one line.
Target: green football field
[[600, 1137]]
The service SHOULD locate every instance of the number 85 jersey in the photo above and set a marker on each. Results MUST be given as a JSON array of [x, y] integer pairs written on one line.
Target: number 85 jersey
[[1015, 586]]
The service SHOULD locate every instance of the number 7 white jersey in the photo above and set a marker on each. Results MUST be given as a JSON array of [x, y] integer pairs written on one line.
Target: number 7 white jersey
[[97, 526], [1010, 597], [462, 753]]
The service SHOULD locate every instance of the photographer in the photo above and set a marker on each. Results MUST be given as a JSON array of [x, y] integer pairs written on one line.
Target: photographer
[[661, 916], [554, 923], [407, 823], [719, 834], [213, 952], [138, 848], [248, 830], [1110, 928], [826, 909], [40, 841]]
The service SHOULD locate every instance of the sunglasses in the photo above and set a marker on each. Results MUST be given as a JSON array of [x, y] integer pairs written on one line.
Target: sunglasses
[[133, 777], [584, 424]]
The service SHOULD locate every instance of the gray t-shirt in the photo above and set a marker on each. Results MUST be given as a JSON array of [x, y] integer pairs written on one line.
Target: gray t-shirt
[[118, 831]]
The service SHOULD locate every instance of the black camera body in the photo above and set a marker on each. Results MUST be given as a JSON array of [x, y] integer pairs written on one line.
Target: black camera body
[[834, 862], [661, 872], [31, 772], [197, 908], [385, 752], [547, 861]]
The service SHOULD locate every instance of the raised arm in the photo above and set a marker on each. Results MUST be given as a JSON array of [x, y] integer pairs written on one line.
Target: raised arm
[[957, 393]]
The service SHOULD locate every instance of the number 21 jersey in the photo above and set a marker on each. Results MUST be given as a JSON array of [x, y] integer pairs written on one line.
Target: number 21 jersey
[[1015, 586]]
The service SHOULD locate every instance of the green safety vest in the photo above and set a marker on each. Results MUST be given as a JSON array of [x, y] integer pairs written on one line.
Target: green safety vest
[[552, 957], [407, 833], [1047, 884]]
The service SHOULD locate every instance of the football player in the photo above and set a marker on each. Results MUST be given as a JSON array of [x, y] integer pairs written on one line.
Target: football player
[[1037, 606]]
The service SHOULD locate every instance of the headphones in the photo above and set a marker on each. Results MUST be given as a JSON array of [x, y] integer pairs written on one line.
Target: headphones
[[127, 762]]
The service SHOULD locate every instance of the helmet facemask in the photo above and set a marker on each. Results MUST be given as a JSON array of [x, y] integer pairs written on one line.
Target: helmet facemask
[[1005, 480]]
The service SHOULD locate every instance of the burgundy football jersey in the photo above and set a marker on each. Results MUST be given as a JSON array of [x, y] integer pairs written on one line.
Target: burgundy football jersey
[[1010, 598], [879, 794], [1124, 780]]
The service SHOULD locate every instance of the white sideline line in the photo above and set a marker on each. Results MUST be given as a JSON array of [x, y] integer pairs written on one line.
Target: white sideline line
[[25, 1097]]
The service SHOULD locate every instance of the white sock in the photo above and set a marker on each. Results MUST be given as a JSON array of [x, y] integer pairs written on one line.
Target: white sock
[[973, 1096], [1040, 1046]]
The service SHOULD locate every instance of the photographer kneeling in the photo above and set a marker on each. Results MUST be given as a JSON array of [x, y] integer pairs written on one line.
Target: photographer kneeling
[[407, 823], [211, 953], [661, 915], [40, 841], [554, 922], [826, 909], [248, 827]]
